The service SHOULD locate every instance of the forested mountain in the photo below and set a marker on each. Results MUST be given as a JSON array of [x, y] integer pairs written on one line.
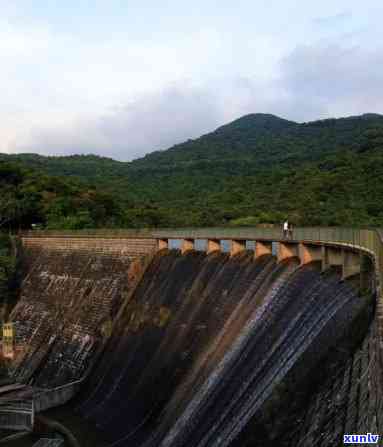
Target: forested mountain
[[259, 168], [30, 197]]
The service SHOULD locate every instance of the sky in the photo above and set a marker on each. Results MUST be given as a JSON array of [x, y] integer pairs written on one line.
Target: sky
[[123, 78]]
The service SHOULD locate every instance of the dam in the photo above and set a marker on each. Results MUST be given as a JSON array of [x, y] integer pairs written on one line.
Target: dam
[[236, 337]]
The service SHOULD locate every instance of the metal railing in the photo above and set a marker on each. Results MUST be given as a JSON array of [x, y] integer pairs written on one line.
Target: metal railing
[[368, 239]]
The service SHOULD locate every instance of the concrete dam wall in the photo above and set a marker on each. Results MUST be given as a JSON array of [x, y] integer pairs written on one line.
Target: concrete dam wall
[[200, 349], [71, 293]]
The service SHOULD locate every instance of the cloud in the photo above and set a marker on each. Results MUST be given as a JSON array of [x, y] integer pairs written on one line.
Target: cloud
[[160, 119], [148, 85], [61, 94], [313, 82], [152, 121], [333, 79]]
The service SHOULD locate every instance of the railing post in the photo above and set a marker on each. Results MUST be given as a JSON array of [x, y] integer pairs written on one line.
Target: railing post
[[366, 269], [237, 246], [187, 244], [213, 245], [351, 263], [309, 253], [287, 250], [332, 257], [263, 248], [162, 243]]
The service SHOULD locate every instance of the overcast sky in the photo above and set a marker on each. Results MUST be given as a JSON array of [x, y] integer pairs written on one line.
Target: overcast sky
[[123, 78]]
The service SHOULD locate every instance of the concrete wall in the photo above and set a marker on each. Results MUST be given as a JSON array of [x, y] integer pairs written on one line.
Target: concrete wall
[[72, 291], [98, 245], [349, 401]]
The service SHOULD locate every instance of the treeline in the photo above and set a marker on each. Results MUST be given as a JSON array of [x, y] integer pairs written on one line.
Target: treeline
[[29, 197], [258, 169], [8, 275]]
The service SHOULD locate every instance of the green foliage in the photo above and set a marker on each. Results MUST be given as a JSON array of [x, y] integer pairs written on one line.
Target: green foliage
[[258, 169], [7, 274], [248, 221], [29, 197]]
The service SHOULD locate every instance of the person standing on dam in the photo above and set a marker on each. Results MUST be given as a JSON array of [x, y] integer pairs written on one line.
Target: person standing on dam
[[286, 229]]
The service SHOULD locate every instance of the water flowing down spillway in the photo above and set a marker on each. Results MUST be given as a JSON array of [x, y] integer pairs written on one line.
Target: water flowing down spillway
[[210, 350]]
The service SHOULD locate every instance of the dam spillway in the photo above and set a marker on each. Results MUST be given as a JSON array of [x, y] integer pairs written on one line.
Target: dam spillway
[[204, 349]]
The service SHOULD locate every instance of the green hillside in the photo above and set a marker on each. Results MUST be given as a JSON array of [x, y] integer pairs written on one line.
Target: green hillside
[[266, 140], [30, 197], [259, 168]]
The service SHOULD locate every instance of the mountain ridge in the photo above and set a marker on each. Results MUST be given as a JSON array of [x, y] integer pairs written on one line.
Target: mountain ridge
[[258, 169], [253, 125], [241, 138]]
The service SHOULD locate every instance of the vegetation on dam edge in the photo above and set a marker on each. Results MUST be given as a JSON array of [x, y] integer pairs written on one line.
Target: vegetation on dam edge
[[8, 275]]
